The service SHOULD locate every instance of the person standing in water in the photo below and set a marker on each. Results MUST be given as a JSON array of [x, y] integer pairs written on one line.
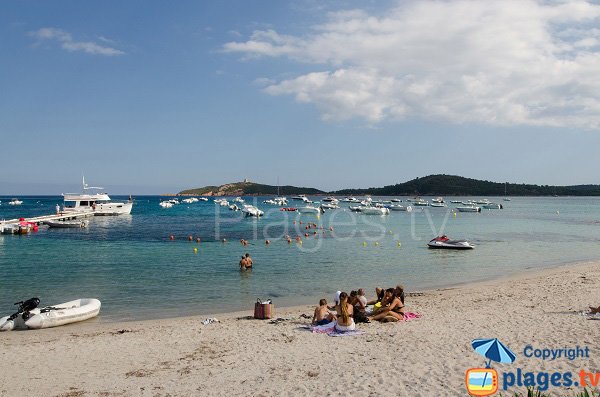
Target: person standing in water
[[246, 262]]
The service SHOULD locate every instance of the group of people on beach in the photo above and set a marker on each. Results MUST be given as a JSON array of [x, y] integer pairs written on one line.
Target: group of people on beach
[[388, 305]]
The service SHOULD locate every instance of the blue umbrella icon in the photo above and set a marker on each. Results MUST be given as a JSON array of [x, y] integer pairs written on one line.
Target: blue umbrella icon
[[493, 349]]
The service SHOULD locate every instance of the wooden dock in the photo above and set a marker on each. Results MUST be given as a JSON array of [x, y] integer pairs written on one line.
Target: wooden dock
[[63, 216]]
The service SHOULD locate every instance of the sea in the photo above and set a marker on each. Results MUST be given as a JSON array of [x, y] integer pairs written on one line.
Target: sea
[[139, 272]]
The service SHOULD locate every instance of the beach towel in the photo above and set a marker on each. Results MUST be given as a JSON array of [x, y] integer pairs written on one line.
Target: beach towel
[[330, 330], [408, 316]]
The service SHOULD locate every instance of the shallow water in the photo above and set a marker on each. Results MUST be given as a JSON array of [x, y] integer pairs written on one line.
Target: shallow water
[[129, 263]]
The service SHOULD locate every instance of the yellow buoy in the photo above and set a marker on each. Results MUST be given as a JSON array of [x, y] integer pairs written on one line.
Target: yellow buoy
[[399, 245], [364, 243], [377, 243], [195, 250]]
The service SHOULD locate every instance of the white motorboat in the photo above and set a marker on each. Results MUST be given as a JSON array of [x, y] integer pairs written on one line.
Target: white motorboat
[[375, 211], [469, 208], [438, 200], [420, 203], [234, 207], [492, 206], [456, 202], [98, 203], [396, 200], [238, 200], [68, 224], [166, 204], [506, 199], [355, 208], [444, 242], [330, 199], [309, 209], [51, 316], [438, 205], [202, 199], [399, 207], [250, 210], [190, 200], [351, 200], [483, 201], [301, 197], [15, 202], [330, 206]]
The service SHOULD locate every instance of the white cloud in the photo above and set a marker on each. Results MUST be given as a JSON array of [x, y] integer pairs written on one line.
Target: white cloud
[[503, 63], [67, 43]]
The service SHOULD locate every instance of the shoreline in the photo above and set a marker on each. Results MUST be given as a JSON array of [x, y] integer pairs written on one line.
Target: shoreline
[[241, 356], [533, 270]]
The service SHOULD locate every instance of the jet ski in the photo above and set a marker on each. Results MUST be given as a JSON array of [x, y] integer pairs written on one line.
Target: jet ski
[[444, 242]]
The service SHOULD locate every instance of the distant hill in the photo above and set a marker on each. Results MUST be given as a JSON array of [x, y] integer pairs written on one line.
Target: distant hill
[[248, 189], [432, 185], [452, 185]]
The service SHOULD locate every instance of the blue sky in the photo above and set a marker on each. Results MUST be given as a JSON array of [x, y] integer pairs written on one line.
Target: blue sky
[[153, 97]]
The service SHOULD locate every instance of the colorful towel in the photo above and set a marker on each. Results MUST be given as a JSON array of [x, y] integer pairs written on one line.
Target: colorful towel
[[408, 316]]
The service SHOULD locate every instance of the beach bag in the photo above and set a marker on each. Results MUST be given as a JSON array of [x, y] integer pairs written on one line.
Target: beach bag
[[264, 310]]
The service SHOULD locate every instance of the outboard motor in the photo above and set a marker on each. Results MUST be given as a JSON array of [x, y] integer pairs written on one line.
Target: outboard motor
[[25, 307]]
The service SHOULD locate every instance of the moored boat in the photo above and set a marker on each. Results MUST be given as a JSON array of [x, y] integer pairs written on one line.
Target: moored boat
[[68, 224], [444, 242], [375, 211], [469, 208], [252, 211], [98, 203], [309, 209]]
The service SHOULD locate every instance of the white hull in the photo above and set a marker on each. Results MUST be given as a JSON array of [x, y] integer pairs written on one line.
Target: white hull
[[309, 210], [374, 211], [103, 209], [408, 208], [468, 209], [252, 211], [65, 313], [68, 224]]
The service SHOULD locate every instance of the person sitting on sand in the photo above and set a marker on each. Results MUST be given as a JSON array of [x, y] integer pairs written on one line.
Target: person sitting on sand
[[381, 301], [399, 292], [345, 322], [391, 309], [322, 314], [360, 313], [361, 297]]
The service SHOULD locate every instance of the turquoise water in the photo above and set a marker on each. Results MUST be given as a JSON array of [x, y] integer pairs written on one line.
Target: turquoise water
[[129, 263]]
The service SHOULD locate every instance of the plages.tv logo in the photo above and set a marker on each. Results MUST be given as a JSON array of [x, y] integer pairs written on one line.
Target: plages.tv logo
[[484, 381]]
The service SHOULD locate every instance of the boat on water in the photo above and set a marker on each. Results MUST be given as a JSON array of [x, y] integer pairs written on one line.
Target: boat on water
[[438, 205], [443, 242], [15, 201], [374, 211], [238, 200], [330, 206], [190, 200], [492, 206], [166, 204], [252, 211], [301, 197], [456, 202], [68, 224], [234, 207], [350, 200], [469, 208], [399, 207], [29, 316], [99, 203], [355, 208], [483, 201], [438, 200], [395, 200], [330, 199], [309, 209], [420, 203]]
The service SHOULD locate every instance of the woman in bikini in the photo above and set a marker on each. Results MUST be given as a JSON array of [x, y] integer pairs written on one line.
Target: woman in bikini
[[395, 308], [345, 322]]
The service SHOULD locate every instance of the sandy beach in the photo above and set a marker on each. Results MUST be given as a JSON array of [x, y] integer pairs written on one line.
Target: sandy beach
[[244, 356]]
